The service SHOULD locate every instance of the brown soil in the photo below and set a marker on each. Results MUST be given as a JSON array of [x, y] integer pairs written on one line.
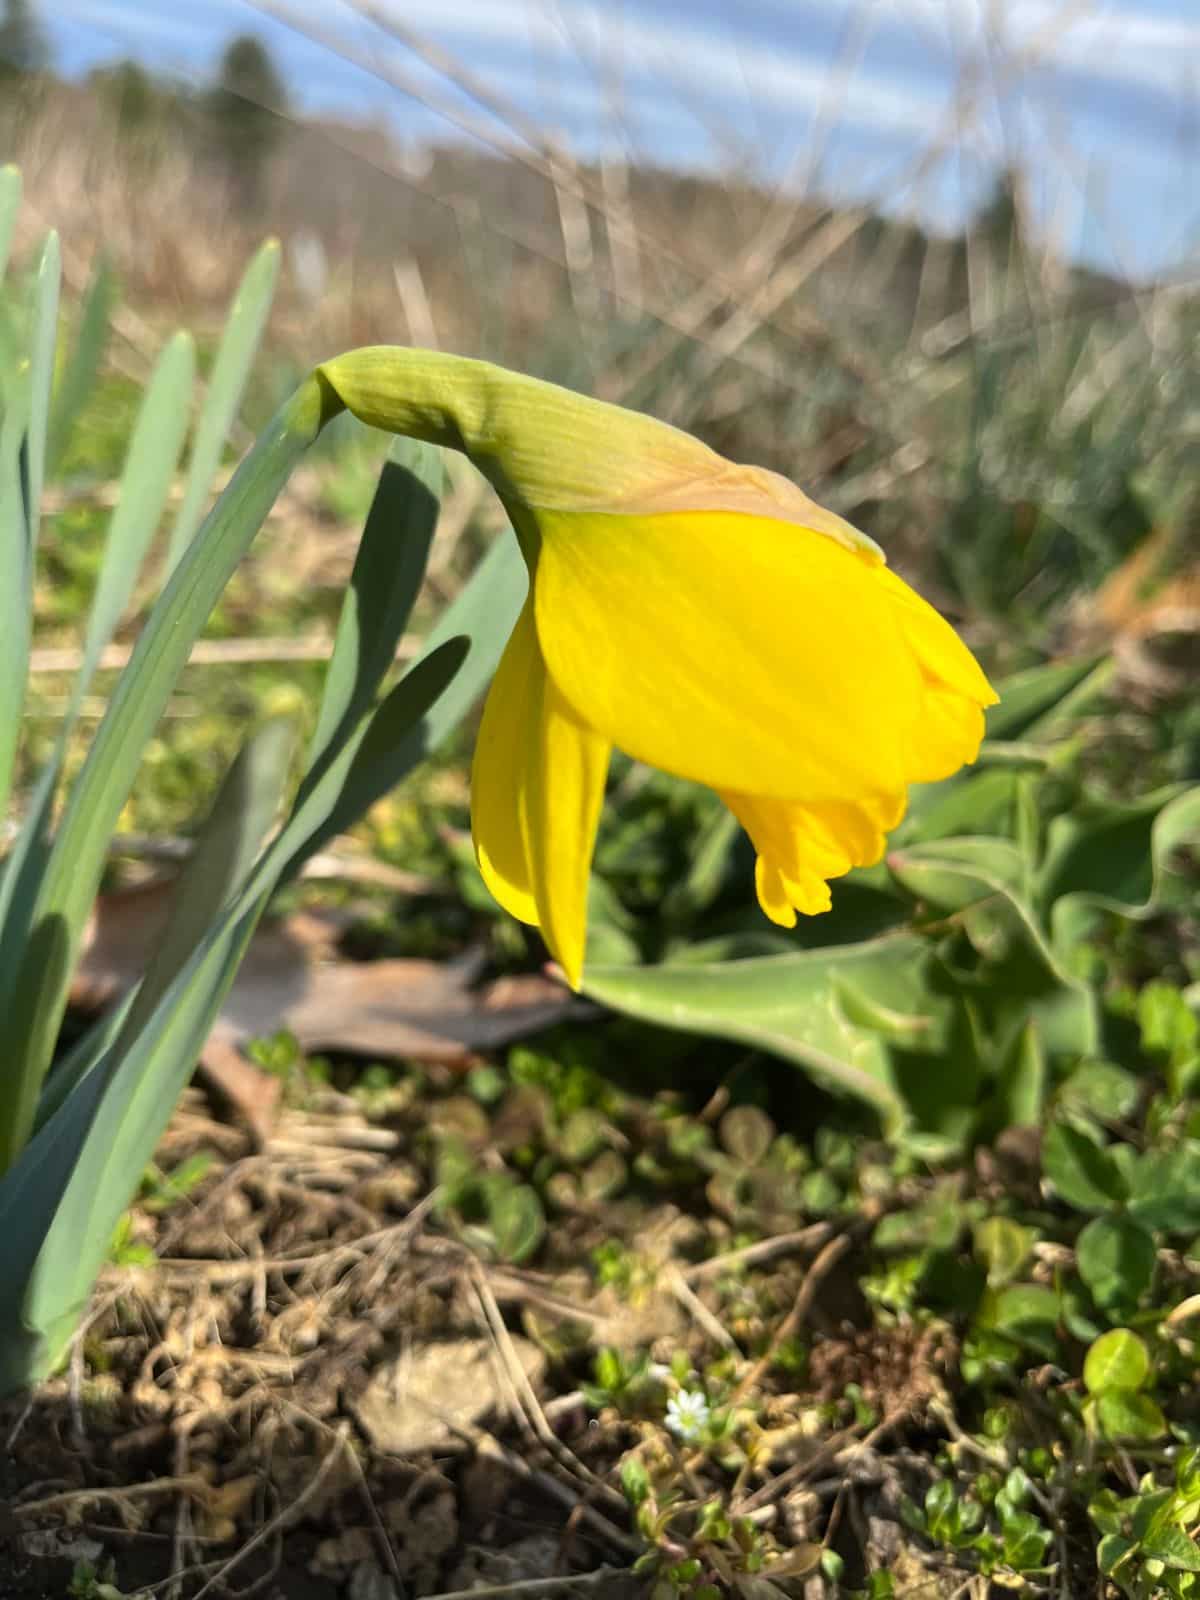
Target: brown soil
[[262, 1407]]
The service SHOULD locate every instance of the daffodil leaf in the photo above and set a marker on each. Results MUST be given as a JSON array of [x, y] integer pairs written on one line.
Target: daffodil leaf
[[10, 204], [231, 367]]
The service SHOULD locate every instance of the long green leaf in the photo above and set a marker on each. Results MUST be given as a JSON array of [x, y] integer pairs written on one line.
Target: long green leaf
[[154, 449], [16, 578], [235, 356], [1039, 697], [75, 1176], [22, 465], [82, 369], [246, 807], [10, 204], [481, 619], [388, 572], [41, 376], [73, 874], [1117, 859]]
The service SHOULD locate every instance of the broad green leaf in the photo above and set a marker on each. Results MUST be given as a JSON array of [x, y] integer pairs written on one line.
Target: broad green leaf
[[1112, 1552], [1172, 1546], [1127, 1414], [838, 1011], [1083, 1173], [949, 874], [1026, 1312], [1117, 1360], [1116, 1258], [1115, 858], [979, 802], [1165, 1189], [234, 358], [83, 366]]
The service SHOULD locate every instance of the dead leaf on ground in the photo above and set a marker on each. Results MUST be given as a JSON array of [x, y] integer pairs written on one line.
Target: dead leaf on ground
[[434, 1396], [294, 977]]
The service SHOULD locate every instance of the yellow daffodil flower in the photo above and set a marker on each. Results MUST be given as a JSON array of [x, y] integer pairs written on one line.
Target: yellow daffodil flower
[[707, 618]]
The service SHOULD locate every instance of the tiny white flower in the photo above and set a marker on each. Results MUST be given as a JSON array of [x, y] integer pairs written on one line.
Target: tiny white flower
[[687, 1414]]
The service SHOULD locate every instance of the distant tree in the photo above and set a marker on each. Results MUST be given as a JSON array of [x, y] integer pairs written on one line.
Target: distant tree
[[23, 47], [1000, 221], [245, 111]]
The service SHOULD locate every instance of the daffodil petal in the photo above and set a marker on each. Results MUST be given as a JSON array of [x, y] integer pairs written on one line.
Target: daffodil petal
[[536, 790], [938, 648], [502, 759], [773, 896], [801, 846], [739, 651], [947, 735]]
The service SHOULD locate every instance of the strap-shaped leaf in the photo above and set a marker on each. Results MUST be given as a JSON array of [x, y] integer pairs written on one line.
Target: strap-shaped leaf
[[83, 366], [43, 342], [145, 486], [16, 574], [388, 571], [22, 466], [10, 204], [231, 368], [60, 1202], [1034, 701], [477, 624], [80, 848], [75, 1175]]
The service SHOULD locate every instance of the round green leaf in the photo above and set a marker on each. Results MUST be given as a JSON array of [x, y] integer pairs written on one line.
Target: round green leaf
[[1003, 1247], [1083, 1172], [1117, 1360], [1116, 1259], [1125, 1414]]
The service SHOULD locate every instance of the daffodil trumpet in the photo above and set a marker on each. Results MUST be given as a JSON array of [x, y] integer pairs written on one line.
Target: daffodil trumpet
[[704, 617]]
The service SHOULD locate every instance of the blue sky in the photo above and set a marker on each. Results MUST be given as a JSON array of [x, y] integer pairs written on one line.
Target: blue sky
[[912, 104]]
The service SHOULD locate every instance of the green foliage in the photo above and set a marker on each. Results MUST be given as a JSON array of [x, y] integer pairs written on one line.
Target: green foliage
[[76, 1131], [1150, 1541]]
